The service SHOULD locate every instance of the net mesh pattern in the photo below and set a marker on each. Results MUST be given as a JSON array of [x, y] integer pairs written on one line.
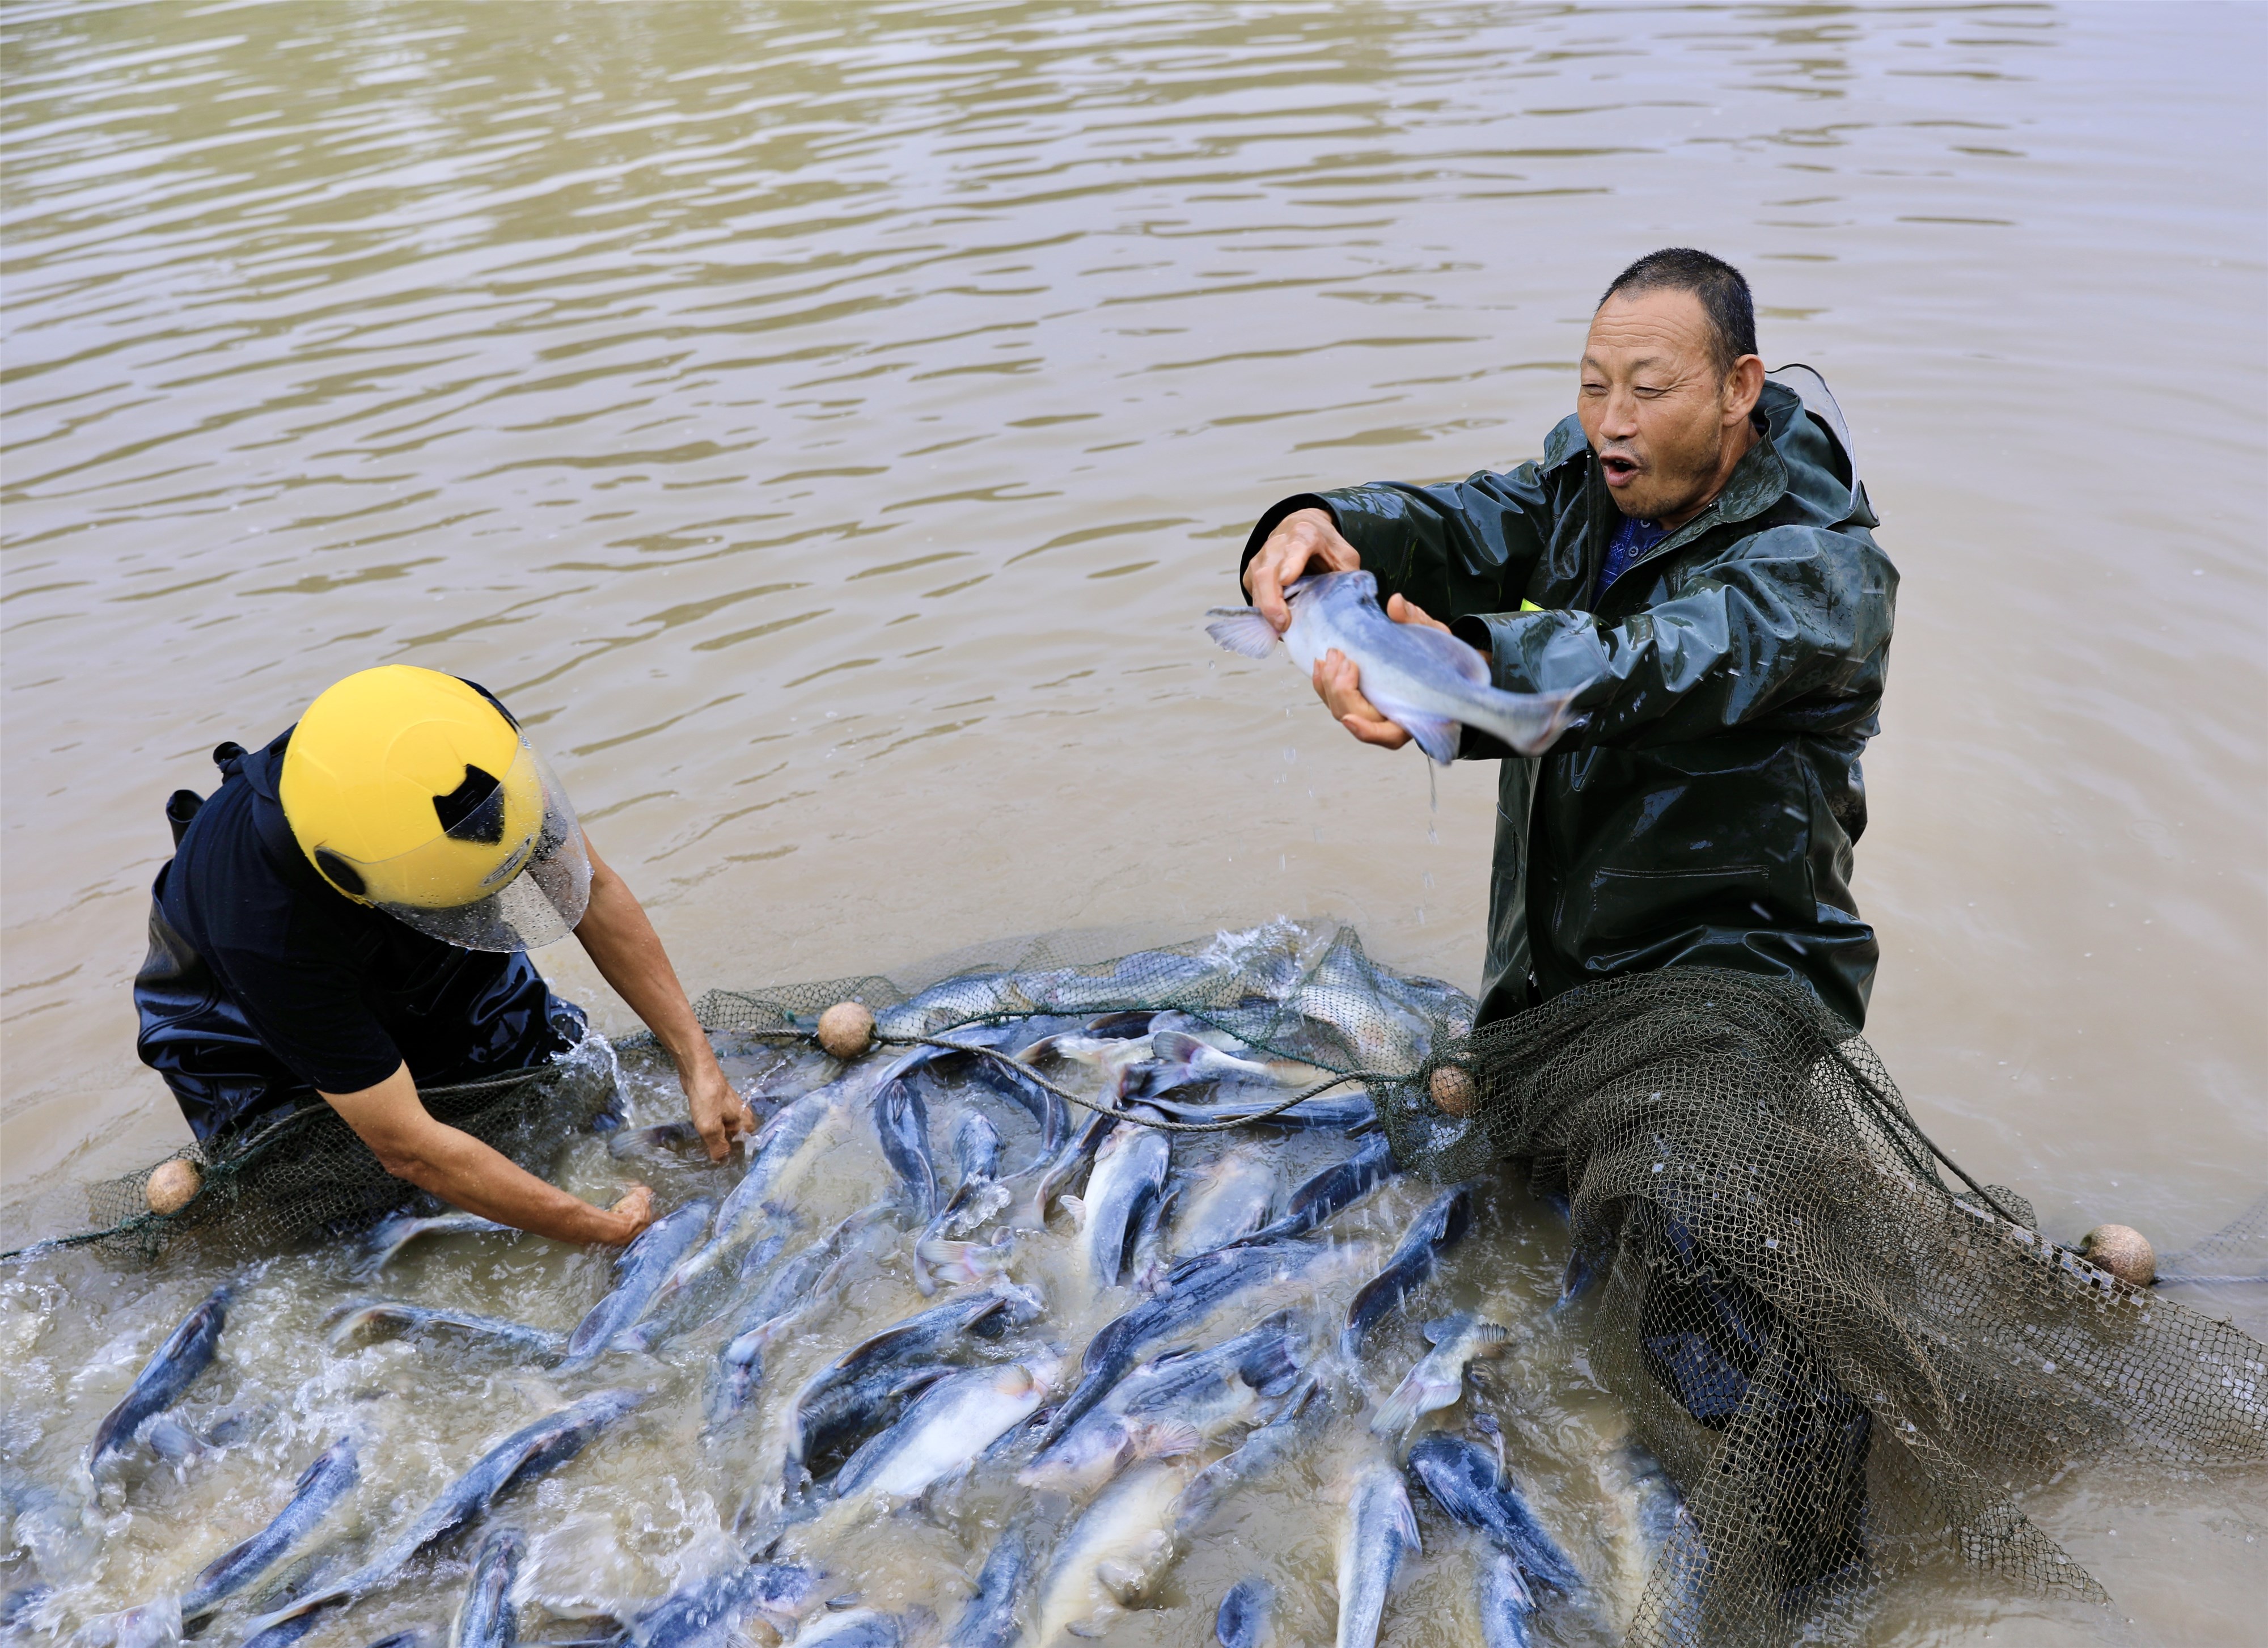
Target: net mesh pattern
[[1849, 1366], [304, 1172]]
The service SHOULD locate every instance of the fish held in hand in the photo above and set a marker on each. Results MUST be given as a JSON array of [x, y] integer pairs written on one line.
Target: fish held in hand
[[1424, 680], [644, 1265]]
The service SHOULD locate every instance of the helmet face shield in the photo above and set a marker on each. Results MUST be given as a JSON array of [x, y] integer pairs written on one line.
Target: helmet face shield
[[508, 873]]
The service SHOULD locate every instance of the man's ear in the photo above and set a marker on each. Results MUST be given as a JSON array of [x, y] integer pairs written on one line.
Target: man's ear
[[1743, 384]]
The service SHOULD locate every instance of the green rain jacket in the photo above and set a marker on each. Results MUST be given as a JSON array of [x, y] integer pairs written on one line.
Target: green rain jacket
[[1705, 813]]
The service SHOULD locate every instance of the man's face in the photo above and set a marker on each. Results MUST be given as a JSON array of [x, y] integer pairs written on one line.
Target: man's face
[[1655, 409]]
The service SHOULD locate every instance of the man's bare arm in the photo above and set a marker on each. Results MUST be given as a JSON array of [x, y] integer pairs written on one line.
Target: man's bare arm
[[465, 1173], [627, 951]]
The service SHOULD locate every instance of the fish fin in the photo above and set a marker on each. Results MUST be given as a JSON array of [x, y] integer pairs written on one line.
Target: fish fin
[[1529, 721], [1437, 737], [1491, 1333], [1170, 1439], [1123, 1581], [1078, 1209], [1085, 1628], [1242, 631], [1438, 1331]]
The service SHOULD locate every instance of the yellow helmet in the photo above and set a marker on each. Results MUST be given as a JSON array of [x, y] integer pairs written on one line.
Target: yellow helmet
[[414, 792]]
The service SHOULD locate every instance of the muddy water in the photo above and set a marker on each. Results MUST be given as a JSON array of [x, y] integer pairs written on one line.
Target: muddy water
[[825, 427]]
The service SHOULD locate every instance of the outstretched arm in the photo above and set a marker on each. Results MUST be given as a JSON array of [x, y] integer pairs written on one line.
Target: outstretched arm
[[465, 1173], [627, 951]]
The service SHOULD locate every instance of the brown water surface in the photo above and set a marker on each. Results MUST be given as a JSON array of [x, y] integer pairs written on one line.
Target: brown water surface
[[825, 426]]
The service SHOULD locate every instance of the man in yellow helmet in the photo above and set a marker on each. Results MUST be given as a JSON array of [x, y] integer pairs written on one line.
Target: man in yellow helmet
[[350, 915]]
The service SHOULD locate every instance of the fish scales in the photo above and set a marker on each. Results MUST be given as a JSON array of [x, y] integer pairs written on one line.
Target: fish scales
[[320, 1486]]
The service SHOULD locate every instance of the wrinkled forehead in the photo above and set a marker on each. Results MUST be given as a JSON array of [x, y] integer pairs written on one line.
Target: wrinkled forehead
[[1661, 328]]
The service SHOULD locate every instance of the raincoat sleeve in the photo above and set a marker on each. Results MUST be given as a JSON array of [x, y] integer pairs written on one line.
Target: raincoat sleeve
[[1458, 548], [1777, 630]]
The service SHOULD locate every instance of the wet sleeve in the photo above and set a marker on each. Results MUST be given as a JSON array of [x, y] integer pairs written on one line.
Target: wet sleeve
[[309, 1012], [1459, 547], [1792, 616]]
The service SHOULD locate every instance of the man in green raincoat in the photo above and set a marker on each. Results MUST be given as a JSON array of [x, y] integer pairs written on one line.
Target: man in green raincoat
[[1691, 552], [1691, 557]]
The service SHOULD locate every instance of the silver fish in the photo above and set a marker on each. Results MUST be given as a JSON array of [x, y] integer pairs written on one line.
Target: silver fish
[[837, 1401], [384, 1242], [791, 1292], [1299, 1419], [1377, 1531], [320, 1486], [348, 1320], [1424, 680], [710, 1612], [990, 1619], [940, 1260], [1505, 1602], [1171, 1405], [1439, 1225], [487, 1618], [1130, 1169], [1113, 1556], [1230, 1197], [950, 1424], [171, 1369], [1247, 1614], [526, 1454], [1439, 1379], [858, 1627], [1470, 1484]]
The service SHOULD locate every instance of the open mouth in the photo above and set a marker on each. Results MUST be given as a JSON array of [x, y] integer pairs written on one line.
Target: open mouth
[[1618, 468]]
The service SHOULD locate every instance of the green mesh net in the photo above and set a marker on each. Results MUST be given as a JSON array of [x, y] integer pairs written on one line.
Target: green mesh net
[[1850, 1365]]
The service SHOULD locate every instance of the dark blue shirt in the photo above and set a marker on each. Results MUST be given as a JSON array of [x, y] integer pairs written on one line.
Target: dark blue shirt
[[1632, 539], [264, 981]]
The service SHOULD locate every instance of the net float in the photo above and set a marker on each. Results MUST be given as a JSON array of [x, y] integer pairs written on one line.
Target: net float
[[173, 1186], [2123, 1251], [846, 1030]]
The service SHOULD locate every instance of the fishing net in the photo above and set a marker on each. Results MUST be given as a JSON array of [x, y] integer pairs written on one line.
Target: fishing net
[[304, 1172], [1848, 1365], [2238, 1251]]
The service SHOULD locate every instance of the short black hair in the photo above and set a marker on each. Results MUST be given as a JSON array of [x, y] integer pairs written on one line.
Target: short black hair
[[1723, 293]]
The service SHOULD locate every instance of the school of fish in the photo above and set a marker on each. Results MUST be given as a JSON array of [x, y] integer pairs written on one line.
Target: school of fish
[[930, 1308]]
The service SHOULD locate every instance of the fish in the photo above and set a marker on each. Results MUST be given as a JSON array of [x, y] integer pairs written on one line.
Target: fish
[[528, 1452], [1180, 1060], [1189, 1292], [1298, 1421], [1439, 1225], [1130, 1170], [1147, 1260], [487, 1618], [988, 1621], [858, 1627], [1113, 1556], [976, 1148], [978, 1262], [1116, 1058], [348, 1320], [1327, 1112], [1505, 1602], [794, 1289], [1330, 1191], [1438, 1379], [845, 1397], [1227, 1199], [1246, 1618], [902, 1120], [952, 1004], [1467, 1481], [668, 1137], [1039, 1183], [1376, 1532], [1343, 995], [786, 1149], [952, 1422], [1424, 680], [171, 1369], [639, 1273], [383, 1244], [710, 1612], [1171, 1405], [321, 1485]]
